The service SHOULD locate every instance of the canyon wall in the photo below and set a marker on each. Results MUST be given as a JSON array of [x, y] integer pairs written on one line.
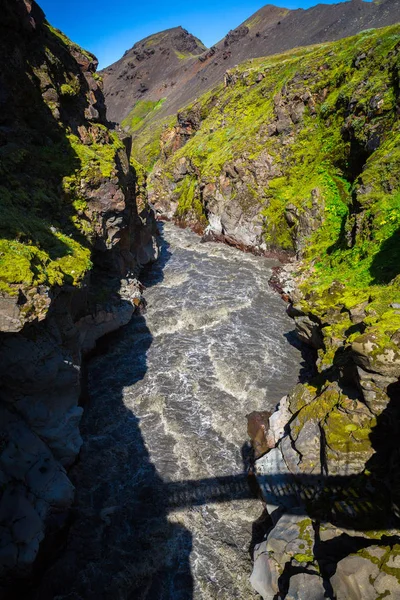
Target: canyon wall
[[74, 236], [300, 152]]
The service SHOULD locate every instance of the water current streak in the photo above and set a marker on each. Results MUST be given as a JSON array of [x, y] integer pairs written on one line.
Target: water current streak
[[163, 508]]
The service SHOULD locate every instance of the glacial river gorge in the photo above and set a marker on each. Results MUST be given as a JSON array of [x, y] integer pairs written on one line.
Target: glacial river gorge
[[163, 510]]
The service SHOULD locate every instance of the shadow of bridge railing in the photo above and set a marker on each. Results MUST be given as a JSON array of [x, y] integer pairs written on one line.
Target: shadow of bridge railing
[[345, 500]]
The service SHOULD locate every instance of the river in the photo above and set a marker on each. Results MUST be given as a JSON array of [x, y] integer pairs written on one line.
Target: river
[[163, 510]]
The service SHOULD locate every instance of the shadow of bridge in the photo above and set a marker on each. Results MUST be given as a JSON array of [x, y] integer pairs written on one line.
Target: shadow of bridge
[[126, 539]]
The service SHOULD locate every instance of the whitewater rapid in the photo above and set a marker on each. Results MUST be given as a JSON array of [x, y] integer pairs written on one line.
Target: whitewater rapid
[[163, 510]]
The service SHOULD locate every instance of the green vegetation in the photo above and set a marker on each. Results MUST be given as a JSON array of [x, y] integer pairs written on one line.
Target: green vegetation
[[47, 226], [343, 146], [68, 90], [97, 160], [138, 114], [67, 42], [251, 23], [185, 55], [310, 141], [38, 244], [154, 39], [45, 231], [146, 141], [189, 201]]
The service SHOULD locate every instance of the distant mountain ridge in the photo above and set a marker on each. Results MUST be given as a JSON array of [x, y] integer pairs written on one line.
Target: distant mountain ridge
[[171, 68], [150, 69]]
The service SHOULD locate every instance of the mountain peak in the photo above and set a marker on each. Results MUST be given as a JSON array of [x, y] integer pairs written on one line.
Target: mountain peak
[[150, 70], [175, 38], [174, 66]]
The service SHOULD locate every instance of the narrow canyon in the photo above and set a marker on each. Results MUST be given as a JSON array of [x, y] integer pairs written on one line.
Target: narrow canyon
[[163, 508], [200, 310]]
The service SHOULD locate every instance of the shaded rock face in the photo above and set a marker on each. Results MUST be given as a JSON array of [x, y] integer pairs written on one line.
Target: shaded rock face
[[72, 244]]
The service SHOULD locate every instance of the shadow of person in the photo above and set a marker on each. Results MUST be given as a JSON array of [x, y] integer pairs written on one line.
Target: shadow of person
[[384, 465], [120, 543], [308, 354], [385, 265]]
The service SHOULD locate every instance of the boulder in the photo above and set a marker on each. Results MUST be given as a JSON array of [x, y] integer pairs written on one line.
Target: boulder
[[353, 579], [306, 586], [287, 548], [375, 352], [34, 486], [258, 430], [10, 319], [309, 332]]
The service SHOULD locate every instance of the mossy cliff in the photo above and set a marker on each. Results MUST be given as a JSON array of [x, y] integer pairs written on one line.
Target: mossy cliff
[[67, 188], [301, 152], [292, 131], [71, 242]]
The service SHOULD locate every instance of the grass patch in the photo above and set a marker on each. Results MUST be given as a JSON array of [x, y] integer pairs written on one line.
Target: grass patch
[[139, 113]]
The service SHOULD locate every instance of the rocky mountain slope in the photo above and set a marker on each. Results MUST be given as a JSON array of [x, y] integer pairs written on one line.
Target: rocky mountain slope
[[165, 71], [150, 71], [312, 167], [71, 243]]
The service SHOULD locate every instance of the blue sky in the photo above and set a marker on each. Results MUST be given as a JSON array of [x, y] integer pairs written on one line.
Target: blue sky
[[108, 28]]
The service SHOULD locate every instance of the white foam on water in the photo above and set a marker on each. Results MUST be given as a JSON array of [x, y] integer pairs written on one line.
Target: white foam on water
[[209, 349]]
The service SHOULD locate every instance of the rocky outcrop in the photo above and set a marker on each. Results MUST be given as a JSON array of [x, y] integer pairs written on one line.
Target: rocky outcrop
[[228, 204], [72, 244], [188, 122], [290, 543], [330, 468]]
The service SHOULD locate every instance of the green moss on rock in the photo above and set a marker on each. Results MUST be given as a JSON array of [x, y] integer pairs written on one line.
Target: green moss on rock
[[138, 114], [346, 123], [47, 162]]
